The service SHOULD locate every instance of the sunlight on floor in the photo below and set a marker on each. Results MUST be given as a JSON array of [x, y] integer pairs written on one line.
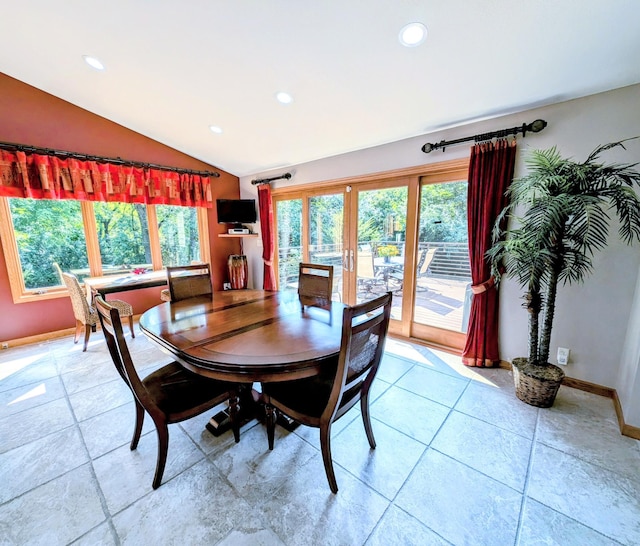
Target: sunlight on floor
[[10, 367], [37, 391]]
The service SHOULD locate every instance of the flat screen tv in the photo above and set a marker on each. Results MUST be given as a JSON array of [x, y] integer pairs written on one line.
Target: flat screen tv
[[236, 211]]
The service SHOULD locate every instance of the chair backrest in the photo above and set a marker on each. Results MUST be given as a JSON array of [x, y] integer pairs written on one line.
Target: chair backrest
[[364, 331], [58, 271], [119, 351], [189, 281], [315, 285], [81, 309], [425, 261], [364, 266]]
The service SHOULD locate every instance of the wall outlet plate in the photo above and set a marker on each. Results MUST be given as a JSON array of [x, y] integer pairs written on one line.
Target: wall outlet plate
[[563, 356]]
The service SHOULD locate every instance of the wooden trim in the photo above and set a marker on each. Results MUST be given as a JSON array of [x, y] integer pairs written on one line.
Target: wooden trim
[[11, 254], [202, 217], [585, 386], [91, 238], [40, 338], [18, 342], [154, 237], [443, 168]]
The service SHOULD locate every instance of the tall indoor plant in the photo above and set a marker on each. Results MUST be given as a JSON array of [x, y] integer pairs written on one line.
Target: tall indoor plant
[[558, 215]]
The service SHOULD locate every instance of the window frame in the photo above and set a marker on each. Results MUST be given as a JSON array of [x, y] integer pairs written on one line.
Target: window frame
[[21, 294]]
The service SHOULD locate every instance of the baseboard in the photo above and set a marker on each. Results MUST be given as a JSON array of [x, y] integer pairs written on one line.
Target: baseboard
[[40, 338], [627, 430]]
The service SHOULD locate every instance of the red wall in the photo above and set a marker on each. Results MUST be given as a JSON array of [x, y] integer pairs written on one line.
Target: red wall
[[30, 116]]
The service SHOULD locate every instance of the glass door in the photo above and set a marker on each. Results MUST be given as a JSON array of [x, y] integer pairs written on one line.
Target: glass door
[[442, 272], [379, 244], [310, 228]]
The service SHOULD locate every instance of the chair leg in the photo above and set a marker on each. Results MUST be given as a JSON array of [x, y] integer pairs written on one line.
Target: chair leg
[[234, 416], [325, 444], [87, 333], [131, 326], [366, 419], [79, 330], [139, 422], [163, 446], [271, 423]]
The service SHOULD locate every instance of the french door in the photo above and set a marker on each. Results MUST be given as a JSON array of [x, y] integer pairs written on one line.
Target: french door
[[398, 232]]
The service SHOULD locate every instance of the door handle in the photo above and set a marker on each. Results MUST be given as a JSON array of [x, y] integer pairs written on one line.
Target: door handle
[[351, 261], [345, 261]]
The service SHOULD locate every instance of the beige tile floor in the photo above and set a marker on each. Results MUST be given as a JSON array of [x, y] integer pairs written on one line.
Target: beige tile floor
[[459, 461]]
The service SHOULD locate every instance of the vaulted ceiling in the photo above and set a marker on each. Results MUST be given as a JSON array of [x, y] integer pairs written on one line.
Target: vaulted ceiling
[[173, 69]]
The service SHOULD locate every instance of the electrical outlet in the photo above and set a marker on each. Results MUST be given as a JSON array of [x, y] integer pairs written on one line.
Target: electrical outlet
[[563, 356]]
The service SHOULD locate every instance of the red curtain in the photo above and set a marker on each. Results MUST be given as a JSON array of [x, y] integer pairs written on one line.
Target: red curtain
[[490, 174], [51, 177], [266, 227]]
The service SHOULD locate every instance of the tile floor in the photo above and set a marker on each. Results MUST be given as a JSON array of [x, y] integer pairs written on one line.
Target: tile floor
[[459, 461]]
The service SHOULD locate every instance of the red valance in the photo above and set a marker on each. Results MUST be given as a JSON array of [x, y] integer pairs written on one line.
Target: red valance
[[51, 177]]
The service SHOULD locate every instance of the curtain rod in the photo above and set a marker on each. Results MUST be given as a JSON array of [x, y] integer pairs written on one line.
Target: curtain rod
[[267, 180], [118, 161], [534, 127]]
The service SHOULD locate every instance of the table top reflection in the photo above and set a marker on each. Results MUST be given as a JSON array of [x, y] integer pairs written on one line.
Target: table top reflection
[[247, 335]]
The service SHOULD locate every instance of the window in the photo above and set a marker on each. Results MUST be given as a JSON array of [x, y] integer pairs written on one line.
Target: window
[[92, 239], [178, 231], [47, 232], [123, 237]]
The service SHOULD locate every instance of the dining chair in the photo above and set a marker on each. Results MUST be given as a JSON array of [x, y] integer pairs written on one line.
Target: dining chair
[[319, 401], [315, 285], [170, 394], [85, 314], [189, 281]]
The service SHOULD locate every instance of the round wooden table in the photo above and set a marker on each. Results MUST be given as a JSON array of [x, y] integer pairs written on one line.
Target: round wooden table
[[247, 335]]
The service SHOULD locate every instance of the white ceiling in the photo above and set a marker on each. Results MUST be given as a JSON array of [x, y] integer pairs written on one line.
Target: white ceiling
[[175, 68]]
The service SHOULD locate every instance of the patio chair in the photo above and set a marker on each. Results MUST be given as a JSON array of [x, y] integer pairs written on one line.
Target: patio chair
[[315, 285], [85, 314], [366, 273], [423, 266], [319, 401], [170, 394]]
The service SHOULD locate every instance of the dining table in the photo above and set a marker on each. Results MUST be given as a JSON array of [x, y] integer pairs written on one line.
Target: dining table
[[246, 336], [109, 284]]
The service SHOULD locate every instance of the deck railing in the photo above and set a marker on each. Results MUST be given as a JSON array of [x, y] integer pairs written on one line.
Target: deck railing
[[451, 260]]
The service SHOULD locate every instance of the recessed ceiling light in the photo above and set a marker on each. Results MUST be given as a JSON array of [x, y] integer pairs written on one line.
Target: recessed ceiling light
[[413, 34], [93, 62], [284, 98], [215, 129]]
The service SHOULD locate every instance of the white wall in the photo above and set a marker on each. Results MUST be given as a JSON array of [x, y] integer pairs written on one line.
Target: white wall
[[591, 319]]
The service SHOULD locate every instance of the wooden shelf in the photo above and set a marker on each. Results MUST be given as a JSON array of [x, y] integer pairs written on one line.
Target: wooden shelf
[[237, 234]]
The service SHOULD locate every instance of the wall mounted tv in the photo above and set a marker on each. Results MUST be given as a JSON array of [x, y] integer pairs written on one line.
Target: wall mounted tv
[[236, 211]]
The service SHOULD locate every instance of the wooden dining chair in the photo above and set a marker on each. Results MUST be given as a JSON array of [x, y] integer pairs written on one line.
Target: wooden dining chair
[[85, 314], [315, 285], [169, 395], [321, 400], [189, 281]]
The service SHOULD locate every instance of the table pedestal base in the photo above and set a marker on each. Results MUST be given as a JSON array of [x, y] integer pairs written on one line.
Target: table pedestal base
[[250, 407]]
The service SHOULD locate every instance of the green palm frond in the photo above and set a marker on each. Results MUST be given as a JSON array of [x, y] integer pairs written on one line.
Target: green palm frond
[[559, 216]]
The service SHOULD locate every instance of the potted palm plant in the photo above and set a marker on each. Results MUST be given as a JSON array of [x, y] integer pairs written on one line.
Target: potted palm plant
[[558, 217]]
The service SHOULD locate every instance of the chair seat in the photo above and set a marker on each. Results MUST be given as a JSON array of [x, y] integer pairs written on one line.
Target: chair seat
[[124, 309], [175, 389], [165, 295], [307, 396]]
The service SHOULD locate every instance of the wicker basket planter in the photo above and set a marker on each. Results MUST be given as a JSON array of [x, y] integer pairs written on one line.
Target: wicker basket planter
[[536, 385]]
